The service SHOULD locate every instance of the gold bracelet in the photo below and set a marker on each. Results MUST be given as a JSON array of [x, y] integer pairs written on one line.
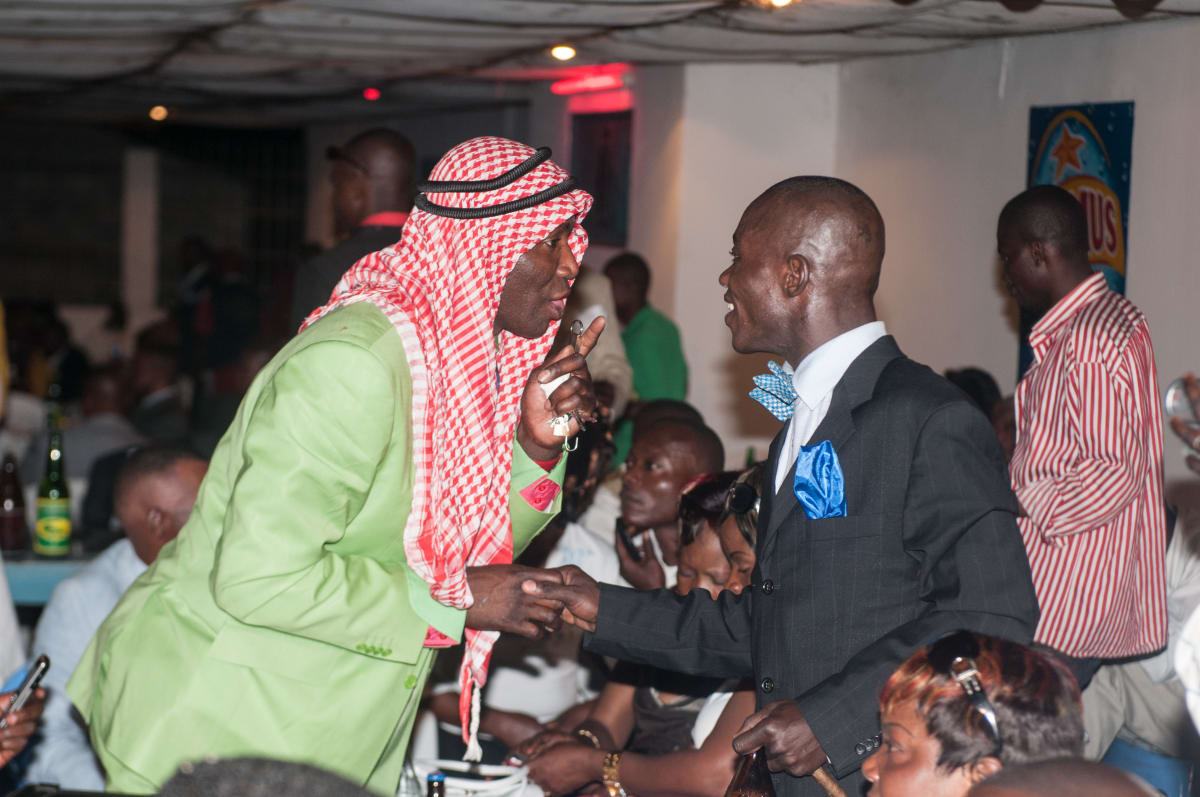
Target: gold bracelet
[[612, 780], [591, 737]]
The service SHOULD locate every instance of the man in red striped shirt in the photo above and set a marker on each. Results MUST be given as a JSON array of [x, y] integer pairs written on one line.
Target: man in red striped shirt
[[1087, 468]]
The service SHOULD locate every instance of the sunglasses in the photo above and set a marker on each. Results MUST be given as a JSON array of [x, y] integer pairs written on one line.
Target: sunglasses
[[742, 498], [953, 657]]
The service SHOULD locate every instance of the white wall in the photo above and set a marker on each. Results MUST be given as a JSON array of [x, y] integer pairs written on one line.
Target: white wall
[[744, 128], [940, 147]]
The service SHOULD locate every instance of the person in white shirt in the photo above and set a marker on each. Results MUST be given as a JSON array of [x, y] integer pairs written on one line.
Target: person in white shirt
[[154, 493], [1142, 702]]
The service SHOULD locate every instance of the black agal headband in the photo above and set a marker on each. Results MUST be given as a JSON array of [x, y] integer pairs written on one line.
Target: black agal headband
[[476, 186]]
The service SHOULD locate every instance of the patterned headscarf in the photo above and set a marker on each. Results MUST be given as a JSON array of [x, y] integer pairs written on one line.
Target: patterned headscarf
[[440, 287]]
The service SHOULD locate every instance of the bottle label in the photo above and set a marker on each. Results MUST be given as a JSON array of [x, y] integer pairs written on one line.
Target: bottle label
[[52, 535]]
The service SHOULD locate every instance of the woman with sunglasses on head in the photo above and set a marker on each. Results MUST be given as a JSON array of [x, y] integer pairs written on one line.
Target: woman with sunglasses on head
[[964, 708], [651, 732], [739, 527]]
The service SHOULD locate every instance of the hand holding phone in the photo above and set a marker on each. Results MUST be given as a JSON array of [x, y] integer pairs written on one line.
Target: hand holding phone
[[635, 553], [25, 691]]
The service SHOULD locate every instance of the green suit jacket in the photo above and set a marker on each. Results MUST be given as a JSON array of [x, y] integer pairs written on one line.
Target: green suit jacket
[[284, 621]]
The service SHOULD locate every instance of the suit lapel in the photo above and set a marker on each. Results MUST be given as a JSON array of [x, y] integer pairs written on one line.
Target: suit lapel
[[855, 388]]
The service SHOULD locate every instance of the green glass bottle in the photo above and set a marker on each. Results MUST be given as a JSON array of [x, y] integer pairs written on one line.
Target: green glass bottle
[[52, 533]]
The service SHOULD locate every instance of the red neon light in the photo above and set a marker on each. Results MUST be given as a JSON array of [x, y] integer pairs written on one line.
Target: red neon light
[[581, 85], [371, 94], [583, 79], [600, 102]]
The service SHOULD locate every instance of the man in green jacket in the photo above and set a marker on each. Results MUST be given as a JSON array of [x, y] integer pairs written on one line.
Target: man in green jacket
[[365, 505]]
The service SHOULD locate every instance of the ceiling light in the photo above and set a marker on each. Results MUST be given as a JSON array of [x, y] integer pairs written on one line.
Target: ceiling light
[[563, 52], [781, 3], [371, 94], [158, 113]]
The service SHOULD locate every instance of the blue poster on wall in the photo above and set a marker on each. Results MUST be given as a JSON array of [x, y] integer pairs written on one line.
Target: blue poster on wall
[[1087, 149]]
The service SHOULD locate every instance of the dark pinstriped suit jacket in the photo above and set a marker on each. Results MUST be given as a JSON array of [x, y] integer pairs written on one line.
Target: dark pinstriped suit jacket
[[929, 544]]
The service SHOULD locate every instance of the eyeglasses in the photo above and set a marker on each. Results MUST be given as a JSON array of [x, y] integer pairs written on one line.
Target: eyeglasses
[[742, 498], [953, 656]]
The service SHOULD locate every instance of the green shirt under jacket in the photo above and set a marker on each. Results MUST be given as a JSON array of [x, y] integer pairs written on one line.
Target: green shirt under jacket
[[284, 621]]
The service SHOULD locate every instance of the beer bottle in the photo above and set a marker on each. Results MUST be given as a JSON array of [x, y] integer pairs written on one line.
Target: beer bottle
[[52, 534], [14, 534], [435, 785], [751, 457], [751, 778]]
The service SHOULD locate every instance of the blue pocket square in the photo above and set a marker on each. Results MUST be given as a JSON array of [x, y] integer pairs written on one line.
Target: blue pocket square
[[818, 483]]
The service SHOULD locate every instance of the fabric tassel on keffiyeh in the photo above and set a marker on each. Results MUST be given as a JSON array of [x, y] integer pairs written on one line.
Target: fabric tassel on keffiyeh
[[440, 287]]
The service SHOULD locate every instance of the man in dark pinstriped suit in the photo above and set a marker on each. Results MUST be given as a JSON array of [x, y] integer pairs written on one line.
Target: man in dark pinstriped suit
[[928, 543]]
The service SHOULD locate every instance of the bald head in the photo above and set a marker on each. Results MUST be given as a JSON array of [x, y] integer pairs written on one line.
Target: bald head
[[104, 392], [372, 173], [1049, 215], [832, 220], [1062, 778], [807, 255]]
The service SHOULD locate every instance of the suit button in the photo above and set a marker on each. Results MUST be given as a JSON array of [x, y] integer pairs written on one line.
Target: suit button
[[767, 587], [410, 681], [767, 685], [859, 749]]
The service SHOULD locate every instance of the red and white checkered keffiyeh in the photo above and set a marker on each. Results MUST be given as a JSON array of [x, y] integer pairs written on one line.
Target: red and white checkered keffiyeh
[[440, 287]]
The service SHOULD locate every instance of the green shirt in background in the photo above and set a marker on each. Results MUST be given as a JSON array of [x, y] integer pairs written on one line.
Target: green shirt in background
[[655, 354]]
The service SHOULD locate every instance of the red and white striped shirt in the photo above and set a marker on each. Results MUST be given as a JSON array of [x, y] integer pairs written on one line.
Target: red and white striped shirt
[[1088, 470]]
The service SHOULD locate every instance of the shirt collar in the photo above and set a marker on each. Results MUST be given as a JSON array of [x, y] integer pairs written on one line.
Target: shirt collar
[[1086, 292], [386, 218], [818, 373]]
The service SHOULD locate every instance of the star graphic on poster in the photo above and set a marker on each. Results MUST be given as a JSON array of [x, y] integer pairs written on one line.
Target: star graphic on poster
[[1066, 152]]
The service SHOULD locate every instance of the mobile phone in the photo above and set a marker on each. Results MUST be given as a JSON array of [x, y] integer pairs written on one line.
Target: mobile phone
[[635, 552], [25, 691]]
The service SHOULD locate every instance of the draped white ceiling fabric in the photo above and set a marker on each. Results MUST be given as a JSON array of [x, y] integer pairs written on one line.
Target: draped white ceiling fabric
[[117, 54]]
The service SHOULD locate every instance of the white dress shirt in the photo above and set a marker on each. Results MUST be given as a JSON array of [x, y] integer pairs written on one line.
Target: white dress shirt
[[814, 380], [76, 609]]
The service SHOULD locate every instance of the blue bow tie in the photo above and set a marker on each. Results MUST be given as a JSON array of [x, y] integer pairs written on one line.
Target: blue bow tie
[[775, 391], [819, 485]]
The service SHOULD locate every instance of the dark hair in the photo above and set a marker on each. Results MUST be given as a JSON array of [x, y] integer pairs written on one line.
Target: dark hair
[[665, 409], [747, 522], [705, 446], [143, 461], [257, 777], [630, 268], [1049, 214], [703, 503], [1034, 696], [978, 384]]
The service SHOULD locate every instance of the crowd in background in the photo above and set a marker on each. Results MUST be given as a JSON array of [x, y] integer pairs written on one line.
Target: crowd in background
[[647, 504]]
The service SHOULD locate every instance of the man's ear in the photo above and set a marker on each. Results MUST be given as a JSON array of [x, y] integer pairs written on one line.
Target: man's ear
[[797, 272], [158, 521], [983, 768], [1039, 252]]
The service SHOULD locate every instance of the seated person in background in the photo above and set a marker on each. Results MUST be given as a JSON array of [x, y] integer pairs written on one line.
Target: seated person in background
[[158, 412], [739, 528], [1062, 778], [655, 716], [155, 490], [104, 429], [1139, 706], [967, 706], [664, 458], [1004, 422], [213, 418]]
